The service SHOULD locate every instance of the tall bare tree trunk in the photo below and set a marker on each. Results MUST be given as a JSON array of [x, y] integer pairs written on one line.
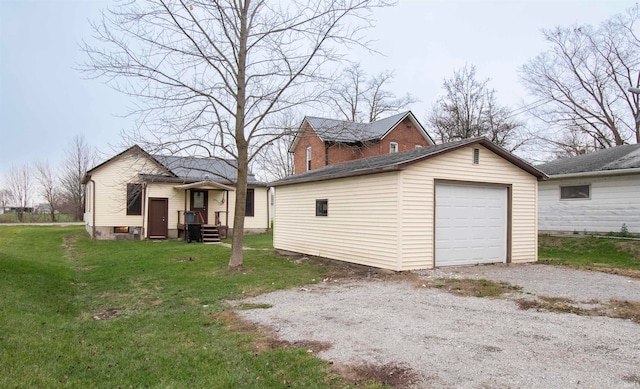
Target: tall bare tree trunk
[[242, 163]]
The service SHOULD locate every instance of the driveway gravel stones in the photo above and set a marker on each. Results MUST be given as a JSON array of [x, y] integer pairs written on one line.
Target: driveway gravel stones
[[466, 342]]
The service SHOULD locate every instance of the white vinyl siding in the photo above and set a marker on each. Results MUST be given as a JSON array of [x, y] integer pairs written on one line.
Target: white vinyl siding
[[260, 219], [387, 219], [613, 201], [360, 227], [111, 189], [418, 193], [175, 202]]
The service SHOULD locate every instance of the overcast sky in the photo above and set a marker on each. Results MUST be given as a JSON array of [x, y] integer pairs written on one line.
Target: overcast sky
[[45, 102]]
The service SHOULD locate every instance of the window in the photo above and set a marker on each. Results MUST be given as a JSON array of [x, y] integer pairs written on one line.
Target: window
[[134, 199], [393, 147], [308, 158], [322, 207], [476, 156], [249, 207], [575, 192], [121, 230]]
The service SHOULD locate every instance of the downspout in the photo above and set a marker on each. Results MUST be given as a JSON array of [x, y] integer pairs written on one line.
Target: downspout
[[144, 203], [93, 214]]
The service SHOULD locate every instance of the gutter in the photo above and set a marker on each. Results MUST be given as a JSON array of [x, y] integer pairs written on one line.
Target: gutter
[[616, 172]]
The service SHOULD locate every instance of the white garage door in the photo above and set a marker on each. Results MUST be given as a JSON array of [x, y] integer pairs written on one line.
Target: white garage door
[[471, 225]]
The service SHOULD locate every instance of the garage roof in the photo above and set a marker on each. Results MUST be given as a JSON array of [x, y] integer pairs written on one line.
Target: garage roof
[[398, 161]]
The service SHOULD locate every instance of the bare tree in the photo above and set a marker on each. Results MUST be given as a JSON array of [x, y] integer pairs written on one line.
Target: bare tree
[[79, 158], [359, 98], [18, 181], [208, 75], [48, 187], [583, 78], [274, 161], [5, 199], [469, 108]]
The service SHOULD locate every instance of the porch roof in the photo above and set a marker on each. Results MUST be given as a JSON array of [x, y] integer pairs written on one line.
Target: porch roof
[[212, 185]]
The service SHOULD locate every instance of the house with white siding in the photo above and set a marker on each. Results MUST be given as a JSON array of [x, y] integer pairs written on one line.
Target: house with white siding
[[595, 192], [135, 195], [459, 203]]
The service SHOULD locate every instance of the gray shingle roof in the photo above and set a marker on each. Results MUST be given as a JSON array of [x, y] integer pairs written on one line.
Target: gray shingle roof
[[330, 130], [185, 169], [396, 161], [614, 158], [203, 169]]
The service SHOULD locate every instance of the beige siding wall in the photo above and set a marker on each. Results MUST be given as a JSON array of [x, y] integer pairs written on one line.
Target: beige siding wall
[[111, 189], [361, 225], [260, 220], [418, 196], [175, 199], [365, 225]]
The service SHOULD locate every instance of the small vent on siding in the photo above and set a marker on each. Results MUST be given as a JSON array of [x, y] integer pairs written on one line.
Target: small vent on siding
[[476, 156]]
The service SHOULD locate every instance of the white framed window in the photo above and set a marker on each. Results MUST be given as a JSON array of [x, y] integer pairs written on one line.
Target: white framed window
[[393, 147], [575, 192], [308, 158]]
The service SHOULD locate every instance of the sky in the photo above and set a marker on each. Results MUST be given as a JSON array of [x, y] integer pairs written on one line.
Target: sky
[[45, 101]]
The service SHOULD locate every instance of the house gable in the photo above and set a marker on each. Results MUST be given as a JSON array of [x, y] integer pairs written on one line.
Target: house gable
[[334, 141], [151, 167]]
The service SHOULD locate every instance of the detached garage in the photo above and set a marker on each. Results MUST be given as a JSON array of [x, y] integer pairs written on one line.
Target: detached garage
[[459, 203]]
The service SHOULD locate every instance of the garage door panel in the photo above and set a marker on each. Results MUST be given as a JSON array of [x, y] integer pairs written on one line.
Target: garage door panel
[[471, 224]]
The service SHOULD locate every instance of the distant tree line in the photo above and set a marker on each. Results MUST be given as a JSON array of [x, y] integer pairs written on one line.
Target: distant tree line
[[59, 186]]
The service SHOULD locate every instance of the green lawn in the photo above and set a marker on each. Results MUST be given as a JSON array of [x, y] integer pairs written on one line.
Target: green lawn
[[169, 329], [257, 241], [12, 217], [590, 252]]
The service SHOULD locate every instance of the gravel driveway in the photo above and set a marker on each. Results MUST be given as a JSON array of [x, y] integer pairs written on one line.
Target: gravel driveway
[[466, 342]]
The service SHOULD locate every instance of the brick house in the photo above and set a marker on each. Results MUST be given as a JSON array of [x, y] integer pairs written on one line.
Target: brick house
[[321, 142]]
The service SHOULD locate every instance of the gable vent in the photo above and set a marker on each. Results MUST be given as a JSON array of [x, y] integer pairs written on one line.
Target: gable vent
[[476, 156]]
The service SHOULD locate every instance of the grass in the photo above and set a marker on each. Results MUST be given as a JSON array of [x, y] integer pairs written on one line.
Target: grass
[[12, 217], [256, 241], [610, 255], [78, 313], [471, 287]]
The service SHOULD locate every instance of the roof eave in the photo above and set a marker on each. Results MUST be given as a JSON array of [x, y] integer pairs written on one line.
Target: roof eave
[[598, 173], [354, 173]]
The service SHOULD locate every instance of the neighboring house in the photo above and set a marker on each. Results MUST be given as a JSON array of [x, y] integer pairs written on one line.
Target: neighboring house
[[135, 195], [321, 142], [595, 192], [458, 203]]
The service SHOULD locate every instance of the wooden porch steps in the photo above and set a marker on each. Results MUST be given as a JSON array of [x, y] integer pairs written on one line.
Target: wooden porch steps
[[210, 234]]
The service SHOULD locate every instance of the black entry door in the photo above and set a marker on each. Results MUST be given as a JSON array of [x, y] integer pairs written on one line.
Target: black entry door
[[199, 204]]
